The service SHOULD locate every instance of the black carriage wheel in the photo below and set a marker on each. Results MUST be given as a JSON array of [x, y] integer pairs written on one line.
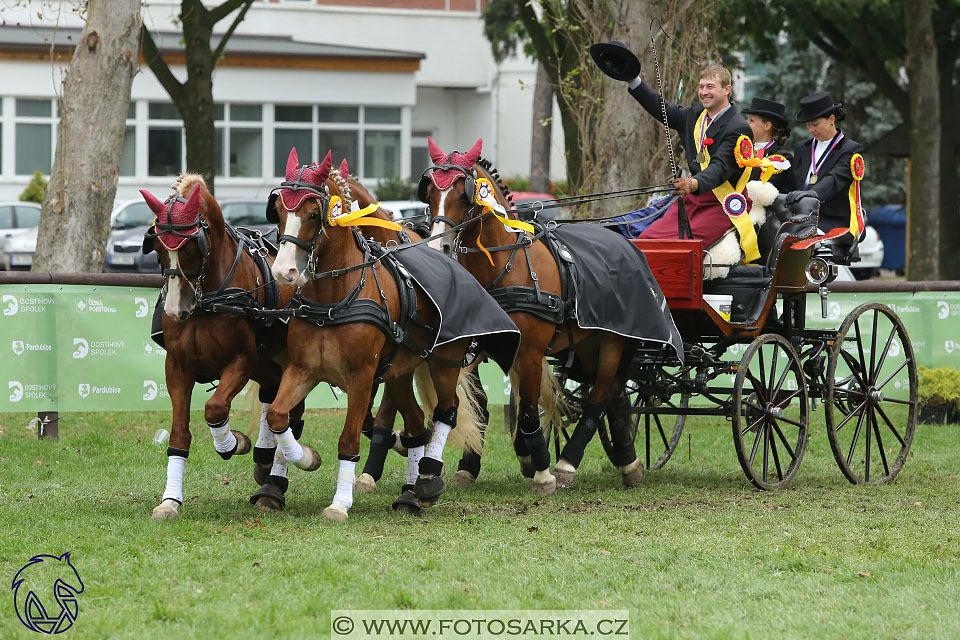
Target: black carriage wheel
[[874, 383], [659, 439], [770, 412]]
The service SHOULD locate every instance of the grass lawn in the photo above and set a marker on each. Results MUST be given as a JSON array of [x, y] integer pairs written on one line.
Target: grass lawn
[[693, 552]]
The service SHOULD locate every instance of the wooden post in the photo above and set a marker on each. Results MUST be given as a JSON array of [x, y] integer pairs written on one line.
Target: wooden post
[[49, 426]]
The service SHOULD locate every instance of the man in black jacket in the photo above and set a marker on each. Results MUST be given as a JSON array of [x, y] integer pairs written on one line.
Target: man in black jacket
[[709, 131], [824, 164]]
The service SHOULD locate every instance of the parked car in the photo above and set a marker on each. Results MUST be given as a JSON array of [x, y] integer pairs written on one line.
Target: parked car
[[412, 211], [18, 215], [17, 249], [871, 255], [251, 214]]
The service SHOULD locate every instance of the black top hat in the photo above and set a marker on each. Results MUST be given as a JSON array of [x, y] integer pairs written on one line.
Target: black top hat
[[615, 60], [768, 109], [817, 105]]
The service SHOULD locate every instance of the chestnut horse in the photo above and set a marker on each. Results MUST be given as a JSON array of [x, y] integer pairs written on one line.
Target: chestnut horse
[[216, 281], [523, 268], [359, 317]]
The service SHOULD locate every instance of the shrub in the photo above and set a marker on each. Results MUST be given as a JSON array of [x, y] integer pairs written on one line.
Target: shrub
[[35, 189], [939, 387], [396, 189], [517, 183]]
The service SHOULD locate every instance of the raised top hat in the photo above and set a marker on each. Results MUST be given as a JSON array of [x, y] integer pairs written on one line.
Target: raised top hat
[[615, 60], [768, 109], [817, 105]]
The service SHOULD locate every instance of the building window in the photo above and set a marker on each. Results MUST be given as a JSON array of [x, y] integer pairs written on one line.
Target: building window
[[164, 140], [381, 155], [245, 140], [34, 134]]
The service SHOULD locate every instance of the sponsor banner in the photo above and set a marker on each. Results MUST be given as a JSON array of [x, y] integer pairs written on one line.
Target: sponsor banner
[[86, 348]]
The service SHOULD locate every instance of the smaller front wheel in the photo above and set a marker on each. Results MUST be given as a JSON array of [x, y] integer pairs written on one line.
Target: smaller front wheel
[[771, 413]]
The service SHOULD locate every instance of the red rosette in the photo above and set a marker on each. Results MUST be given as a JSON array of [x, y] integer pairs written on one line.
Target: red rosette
[[857, 167], [707, 142]]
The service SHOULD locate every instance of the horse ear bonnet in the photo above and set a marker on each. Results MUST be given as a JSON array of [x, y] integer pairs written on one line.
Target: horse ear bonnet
[[423, 188], [272, 215], [147, 246]]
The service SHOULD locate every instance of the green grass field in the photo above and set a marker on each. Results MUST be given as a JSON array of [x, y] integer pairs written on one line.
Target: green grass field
[[693, 552]]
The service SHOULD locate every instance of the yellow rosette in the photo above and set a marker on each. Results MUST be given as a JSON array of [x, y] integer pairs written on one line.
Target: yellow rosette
[[361, 217]]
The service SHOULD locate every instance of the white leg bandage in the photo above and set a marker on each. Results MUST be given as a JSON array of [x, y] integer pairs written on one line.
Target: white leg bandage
[[413, 464], [345, 479], [291, 449], [265, 440], [223, 438], [279, 467], [176, 468], [438, 441]]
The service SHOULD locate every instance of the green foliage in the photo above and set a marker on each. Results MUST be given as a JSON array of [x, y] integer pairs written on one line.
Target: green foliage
[[35, 190], [518, 183], [502, 26], [394, 188], [939, 387]]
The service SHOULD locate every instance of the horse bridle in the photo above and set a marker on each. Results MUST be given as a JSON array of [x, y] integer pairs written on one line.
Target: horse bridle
[[469, 187], [202, 230], [323, 195]]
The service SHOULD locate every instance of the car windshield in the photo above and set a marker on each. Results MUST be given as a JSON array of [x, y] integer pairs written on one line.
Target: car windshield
[[136, 214], [241, 214]]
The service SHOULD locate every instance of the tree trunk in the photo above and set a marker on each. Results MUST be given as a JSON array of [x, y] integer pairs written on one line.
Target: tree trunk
[[542, 128], [923, 206], [93, 108], [195, 102], [949, 137]]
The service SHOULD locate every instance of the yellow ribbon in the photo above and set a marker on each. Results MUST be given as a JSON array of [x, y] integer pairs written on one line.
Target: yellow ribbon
[[359, 217], [483, 197], [853, 194]]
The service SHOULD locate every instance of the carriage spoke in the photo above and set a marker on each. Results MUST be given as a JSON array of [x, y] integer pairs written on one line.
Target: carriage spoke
[[773, 373], [756, 444], [646, 431], [870, 418], [773, 450], [883, 414], [850, 415], [898, 401], [863, 361], [761, 359], [782, 404], [766, 449], [895, 372], [886, 349], [779, 385], [856, 436], [757, 386], [855, 367], [883, 454], [783, 439], [663, 436], [753, 406], [790, 421], [752, 426], [873, 348]]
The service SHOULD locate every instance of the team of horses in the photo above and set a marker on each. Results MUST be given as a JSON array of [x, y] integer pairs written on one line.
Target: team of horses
[[341, 300]]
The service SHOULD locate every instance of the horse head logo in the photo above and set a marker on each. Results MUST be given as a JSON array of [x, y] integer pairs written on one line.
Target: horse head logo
[[143, 307], [12, 305], [150, 390], [17, 347], [949, 346], [39, 576], [16, 391], [82, 348], [943, 310]]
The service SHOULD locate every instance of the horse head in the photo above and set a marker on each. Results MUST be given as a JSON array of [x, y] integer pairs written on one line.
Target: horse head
[[183, 235], [449, 187], [301, 206]]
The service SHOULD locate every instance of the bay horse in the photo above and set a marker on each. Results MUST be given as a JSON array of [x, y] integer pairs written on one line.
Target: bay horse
[[522, 273], [217, 281], [360, 316]]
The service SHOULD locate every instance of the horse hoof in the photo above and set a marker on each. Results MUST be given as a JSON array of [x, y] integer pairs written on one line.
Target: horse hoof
[[166, 510], [310, 460], [462, 478], [269, 498], [243, 443], [336, 512], [632, 473], [260, 474], [365, 483], [407, 503], [526, 466], [397, 445], [564, 478], [547, 488], [429, 488]]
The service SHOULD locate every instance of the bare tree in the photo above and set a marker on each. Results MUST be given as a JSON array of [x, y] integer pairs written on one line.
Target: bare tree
[[542, 130], [194, 98], [93, 108]]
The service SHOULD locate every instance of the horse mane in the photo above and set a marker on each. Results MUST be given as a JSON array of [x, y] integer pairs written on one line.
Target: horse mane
[[184, 186], [492, 170], [185, 183], [344, 186]]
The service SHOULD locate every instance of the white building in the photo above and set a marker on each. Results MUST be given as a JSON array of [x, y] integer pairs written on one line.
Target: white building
[[370, 79]]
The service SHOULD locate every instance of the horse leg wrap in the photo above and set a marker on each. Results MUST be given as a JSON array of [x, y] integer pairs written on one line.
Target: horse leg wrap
[[448, 415], [291, 449], [280, 466], [280, 482], [438, 440], [381, 440], [266, 446], [267, 396], [345, 477], [529, 429], [176, 469], [589, 423], [414, 441], [430, 484], [297, 427], [367, 428], [623, 452], [414, 454], [223, 439]]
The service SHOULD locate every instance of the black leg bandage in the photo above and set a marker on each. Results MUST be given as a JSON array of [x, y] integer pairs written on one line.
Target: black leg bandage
[[623, 450], [264, 455], [447, 416], [173, 451], [415, 441], [348, 458], [218, 424], [380, 443], [528, 427], [297, 427], [470, 460], [431, 466], [367, 428], [279, 482], [588, 425], [267, 396]]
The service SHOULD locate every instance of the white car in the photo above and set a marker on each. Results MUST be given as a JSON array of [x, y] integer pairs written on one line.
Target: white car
[[17, 249], [871, 255], [412, 211]]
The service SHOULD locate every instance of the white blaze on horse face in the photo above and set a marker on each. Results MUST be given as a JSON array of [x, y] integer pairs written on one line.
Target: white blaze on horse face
[[285, 266], [439, 226], [174, 302]]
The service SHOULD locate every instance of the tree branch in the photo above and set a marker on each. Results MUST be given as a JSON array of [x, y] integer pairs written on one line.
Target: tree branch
[[226, 36], [220, 12], [545, 51], [159, 66]]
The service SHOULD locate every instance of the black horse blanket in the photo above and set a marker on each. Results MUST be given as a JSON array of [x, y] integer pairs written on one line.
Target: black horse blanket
[[466, 309], [613, 287]]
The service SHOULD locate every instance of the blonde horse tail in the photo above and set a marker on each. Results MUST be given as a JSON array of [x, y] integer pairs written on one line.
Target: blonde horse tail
[[553, 401], [467, 436]]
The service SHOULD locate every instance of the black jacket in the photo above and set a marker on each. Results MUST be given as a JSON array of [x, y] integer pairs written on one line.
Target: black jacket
[[725, 131], [783, 181], [833, 181]]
